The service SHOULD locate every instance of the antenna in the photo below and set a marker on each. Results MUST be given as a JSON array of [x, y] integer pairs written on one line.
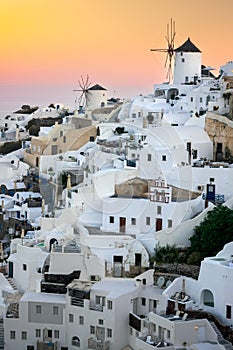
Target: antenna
[[170, 38]]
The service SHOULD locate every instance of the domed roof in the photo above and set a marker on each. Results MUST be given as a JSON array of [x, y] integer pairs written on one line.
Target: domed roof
[[188, 46]]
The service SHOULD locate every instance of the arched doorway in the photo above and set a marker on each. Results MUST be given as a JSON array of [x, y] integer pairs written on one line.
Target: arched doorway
[[207, 298], [52, 241]]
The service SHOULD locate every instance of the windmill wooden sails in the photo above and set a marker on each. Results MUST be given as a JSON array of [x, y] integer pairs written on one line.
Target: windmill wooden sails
[[170, 50]]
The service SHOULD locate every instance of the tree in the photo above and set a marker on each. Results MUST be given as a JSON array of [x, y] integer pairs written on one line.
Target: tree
[[167, 254], [212, 233]]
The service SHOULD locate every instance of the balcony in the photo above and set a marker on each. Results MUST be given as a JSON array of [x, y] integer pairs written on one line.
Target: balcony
[[95, 307], [93, 343], [46, 345]]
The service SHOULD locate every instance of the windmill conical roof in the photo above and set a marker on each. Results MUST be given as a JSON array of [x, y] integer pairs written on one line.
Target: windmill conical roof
[[96, 87], [187, 46]]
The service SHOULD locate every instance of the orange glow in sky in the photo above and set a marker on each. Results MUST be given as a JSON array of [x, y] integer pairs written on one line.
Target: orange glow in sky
[[48, 43]]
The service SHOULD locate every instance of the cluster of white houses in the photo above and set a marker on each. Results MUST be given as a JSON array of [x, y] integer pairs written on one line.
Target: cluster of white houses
[[138, 174], [55, 309]]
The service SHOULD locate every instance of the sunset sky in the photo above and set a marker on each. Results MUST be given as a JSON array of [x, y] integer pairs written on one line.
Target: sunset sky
[[46, 45]]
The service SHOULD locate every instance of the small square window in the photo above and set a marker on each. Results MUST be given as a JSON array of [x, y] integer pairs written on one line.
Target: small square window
[[97, 299], [12, 334], [211, 179], [38, 309], [110, 304], [24, 335], [111, 219], [81, 320], [55, 310], [133, 221], [56, 334], [109, 332], [38, 333], [164, 158]]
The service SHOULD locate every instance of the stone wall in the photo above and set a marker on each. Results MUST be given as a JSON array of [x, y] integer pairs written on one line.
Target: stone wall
[[220, 131]]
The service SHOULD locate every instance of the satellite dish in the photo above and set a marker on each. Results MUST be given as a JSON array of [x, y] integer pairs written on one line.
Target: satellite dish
[[160, 281], [168, 283]]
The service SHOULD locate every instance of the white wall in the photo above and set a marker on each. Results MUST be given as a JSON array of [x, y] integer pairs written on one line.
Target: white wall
[[190, 67], [33, 258]]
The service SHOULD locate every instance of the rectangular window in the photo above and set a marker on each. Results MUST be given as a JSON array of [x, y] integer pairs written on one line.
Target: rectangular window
[[109, 332], [38, 333], [71, 318], [133, 155], [110, 304], [228, 311], [38, 309], [191, 99], [111, 219], [81, 320], [24, 267], [169, 223], [143, 301], [168, 334], [149, 157], [56, 334], [133, 221], [201, 99], [50, 333], [147, 220], [92, 329], [155, 304], [97, 299], [55, 310], [182, 60], [164, 158], [24, 335], [101, 321], [64, 139], [211, 179], [61, 133], [12, 334], [159, 210], [194, 153]]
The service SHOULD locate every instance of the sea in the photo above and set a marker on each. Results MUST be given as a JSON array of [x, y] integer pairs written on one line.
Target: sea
[[12, 97]]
